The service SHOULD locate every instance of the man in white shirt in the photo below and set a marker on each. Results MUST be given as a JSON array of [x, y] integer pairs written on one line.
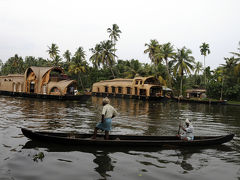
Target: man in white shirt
[[189, 130], [108, 113]]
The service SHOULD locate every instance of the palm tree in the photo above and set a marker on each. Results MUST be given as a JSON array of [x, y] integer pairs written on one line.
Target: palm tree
[[1, 65], [237, 54], [107, 55], [237, 67], [67, 56], [114, 34], [56, 61], [17, 64], [151, 50], [78, 64], [204, 49], [53, 51], [198, 68], [165, 52], [96, 55], [183, 63]]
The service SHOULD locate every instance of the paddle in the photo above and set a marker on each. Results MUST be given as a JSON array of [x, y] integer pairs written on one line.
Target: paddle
[[179, 128]]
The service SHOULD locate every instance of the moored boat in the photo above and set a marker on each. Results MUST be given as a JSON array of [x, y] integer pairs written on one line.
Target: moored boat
[[123, 140], [41, 83]]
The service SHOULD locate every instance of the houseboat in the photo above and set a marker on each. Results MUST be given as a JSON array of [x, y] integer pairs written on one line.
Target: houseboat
[[139, 88], [40, 82]]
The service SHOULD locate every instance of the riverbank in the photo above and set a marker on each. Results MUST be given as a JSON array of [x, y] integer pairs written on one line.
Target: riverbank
[[235, 103]]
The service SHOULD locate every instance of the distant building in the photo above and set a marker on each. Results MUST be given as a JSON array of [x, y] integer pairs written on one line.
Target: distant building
[[196, 93], [39, 80]]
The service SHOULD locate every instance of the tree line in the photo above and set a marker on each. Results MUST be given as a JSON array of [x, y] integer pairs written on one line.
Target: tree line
[[176, 68]]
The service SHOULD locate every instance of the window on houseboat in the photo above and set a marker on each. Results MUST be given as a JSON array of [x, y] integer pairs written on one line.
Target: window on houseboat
[[136, 82], [152, 81], [106, 89], [128, 90], [140, 82], [136, 91], [142, 92], [55, 89], [155, 91], [32, 86], [113, 89], [119, 89]]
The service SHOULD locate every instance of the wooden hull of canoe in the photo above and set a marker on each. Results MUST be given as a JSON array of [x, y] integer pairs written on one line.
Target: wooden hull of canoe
[[123, 140]]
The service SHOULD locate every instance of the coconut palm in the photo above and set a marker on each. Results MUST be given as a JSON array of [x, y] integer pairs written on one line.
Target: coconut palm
[[198, 68], [165, 52], [53, 51], [107, 55], [17, 63], [56, 61], [78, 64], [237, 67], [114, 34], [230, 66], [1, 64], [236, 53], [96, 55], [183, 63], [151, 50], [67, 56], [204, 49]]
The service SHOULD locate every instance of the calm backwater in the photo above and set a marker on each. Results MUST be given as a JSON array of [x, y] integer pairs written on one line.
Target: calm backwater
[[136, 117]]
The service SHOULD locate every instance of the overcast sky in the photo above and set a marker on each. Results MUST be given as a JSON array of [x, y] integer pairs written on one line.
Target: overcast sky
[[27, 27]]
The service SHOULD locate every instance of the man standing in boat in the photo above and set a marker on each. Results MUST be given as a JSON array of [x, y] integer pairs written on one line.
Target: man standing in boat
[[188, 135], [108, 113]]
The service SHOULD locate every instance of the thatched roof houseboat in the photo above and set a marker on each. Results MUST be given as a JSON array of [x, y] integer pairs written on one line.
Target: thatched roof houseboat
[[139, 87], [39, 82]]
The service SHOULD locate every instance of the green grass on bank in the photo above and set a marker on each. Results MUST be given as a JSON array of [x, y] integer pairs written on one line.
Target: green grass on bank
[[234, 102]]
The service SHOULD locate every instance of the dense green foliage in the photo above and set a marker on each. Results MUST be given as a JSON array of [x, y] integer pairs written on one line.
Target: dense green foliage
[[175, 67]]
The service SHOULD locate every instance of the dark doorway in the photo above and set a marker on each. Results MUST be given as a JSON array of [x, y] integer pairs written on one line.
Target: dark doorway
[[32, 86]]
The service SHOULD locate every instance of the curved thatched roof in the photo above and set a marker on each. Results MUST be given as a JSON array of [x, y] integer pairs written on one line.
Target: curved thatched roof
[[196, 91], [41, 71], [61, 85], [123, 82], [115, 82]]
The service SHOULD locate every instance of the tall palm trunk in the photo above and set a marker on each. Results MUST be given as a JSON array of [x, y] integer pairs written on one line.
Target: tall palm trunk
[[80, 79], [222, 89], [112, 72], [168, 75], [204, 72], [181, 84], [113, 41]]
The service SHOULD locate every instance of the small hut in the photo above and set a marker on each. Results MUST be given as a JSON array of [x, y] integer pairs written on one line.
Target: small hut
[[196, 93]]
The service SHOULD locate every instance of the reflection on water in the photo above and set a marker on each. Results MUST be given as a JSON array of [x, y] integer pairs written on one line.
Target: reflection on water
[[136, 117]]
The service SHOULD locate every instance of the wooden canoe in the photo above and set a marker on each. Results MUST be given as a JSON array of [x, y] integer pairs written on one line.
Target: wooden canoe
[[123, 140]]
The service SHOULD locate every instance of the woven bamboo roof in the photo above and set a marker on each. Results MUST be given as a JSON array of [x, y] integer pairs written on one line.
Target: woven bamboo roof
[[115, 82], [195, 90], [41, 71]]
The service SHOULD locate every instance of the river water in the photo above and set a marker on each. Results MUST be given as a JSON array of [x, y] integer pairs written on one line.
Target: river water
[[17, 153]]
